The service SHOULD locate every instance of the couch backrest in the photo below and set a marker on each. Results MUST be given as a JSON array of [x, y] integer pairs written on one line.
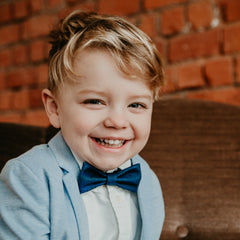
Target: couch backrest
[[195, 150], [16, 139]]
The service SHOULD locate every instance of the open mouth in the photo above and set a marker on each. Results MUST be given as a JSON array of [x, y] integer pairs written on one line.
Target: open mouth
[[113, 143]]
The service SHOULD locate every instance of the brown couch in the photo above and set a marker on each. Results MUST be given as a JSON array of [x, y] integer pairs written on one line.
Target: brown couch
[[195, 150]]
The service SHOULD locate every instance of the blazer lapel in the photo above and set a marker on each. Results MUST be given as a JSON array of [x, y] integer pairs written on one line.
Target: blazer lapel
[[146, 208], [150, 202], [71, 185], [71, 171]]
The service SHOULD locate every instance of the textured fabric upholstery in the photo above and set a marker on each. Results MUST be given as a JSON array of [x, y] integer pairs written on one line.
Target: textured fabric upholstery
[[195, 150]]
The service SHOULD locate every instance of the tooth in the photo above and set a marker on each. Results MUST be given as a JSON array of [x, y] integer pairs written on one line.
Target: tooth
[[118, 141], [110, 142]]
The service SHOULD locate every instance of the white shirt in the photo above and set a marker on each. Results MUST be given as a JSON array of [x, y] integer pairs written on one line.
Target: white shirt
[[113, 212]]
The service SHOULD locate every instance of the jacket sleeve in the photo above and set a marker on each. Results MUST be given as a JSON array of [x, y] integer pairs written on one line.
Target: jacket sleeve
[[24, 204]]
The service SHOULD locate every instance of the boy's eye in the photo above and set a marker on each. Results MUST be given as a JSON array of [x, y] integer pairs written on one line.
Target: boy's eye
[[93, 101], [137, 105]]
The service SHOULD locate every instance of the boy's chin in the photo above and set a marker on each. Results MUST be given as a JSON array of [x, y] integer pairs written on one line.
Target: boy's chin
[[108, 166]]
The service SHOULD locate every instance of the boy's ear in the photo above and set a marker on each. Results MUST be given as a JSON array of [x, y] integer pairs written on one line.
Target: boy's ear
[[51, 107]]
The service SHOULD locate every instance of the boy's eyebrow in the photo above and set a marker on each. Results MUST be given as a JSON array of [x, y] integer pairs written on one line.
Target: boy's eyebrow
[[146, 96], [91, 91], [136, 96]]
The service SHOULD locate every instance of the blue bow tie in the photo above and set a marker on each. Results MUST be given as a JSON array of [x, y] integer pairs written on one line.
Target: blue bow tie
[[91, 177]]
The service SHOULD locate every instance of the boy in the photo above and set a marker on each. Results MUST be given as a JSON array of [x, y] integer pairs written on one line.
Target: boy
[[104, 75]]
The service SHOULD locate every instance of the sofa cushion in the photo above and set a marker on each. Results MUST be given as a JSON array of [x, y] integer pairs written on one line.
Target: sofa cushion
[[195, 150]]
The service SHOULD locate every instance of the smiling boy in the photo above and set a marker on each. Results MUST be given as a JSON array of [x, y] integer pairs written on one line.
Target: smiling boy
[[104, 117], [104, 75]]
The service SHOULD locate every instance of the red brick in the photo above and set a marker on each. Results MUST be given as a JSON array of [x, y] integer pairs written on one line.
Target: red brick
[[21, 77], [35, 98], [170, 80], [5, 12], [47, 49], [5, 58], [200, 14], [20, 100], [9, 34], [121, 7], [88, 6], [2, 79], [231, 10], [74, 1], [38, 50], [42, 74], [148, 25], [150, 4], [54, 3], [38, 26], [36, 117], [172, 21], [194, 45], [20, 9], [36, 5], [190, 76], [11, 117], [161, 46], [5, 100], [238, 69], [228, 95], [219, 71], [231, 38], [20, 54], [221, 3]]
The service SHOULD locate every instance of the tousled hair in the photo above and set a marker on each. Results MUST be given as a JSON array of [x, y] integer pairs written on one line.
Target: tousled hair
[[134, 52]]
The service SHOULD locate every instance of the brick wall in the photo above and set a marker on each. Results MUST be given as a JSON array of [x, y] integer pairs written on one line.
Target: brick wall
[[199, 40]]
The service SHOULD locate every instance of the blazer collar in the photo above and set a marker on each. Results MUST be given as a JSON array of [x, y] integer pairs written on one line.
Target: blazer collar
[[71, 171], [64, 155], [147, 200]]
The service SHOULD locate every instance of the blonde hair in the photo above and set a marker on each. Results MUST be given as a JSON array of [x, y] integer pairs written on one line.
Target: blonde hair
[[134, 52]]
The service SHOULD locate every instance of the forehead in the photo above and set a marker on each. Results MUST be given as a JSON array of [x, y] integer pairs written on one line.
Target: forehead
[[102, 62], [94, 63], [96, 71]]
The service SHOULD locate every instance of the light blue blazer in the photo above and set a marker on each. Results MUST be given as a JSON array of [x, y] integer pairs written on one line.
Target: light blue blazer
[[40, 199]]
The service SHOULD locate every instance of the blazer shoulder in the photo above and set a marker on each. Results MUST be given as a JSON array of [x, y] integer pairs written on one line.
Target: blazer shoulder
[[145, 167], [39, 160], [138, 159], [38, 155]]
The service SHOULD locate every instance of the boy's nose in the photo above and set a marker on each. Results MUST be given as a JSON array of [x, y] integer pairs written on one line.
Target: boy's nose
[[116, 120]]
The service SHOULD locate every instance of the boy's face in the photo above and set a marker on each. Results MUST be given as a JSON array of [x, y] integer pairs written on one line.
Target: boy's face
[[105, 117]]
